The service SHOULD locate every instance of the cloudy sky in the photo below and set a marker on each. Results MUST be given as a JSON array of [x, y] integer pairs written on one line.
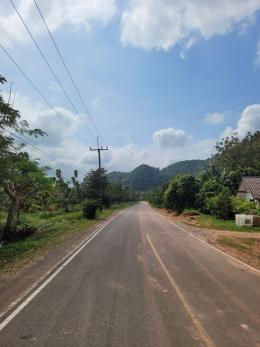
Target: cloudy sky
[[162, 79]]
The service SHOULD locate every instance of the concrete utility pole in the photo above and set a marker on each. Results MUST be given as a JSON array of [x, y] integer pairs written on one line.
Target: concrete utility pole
[[99, 149]]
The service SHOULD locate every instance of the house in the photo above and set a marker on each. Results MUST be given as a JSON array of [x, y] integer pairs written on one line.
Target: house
[[249, 189]]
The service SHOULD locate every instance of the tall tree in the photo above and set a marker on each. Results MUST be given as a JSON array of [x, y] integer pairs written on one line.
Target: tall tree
[[17, 171], [95, 186]]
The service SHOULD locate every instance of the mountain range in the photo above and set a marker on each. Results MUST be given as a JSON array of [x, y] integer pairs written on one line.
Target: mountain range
[[145, 177]]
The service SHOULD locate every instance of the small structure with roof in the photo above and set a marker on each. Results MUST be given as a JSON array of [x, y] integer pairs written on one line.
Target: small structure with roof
[[249, 189]]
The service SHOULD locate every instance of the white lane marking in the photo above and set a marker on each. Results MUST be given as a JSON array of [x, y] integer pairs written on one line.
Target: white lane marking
[[12, 315], [45, 275], [206, 243]]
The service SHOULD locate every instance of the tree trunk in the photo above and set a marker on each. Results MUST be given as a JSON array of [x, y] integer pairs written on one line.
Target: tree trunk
[[12, 218]]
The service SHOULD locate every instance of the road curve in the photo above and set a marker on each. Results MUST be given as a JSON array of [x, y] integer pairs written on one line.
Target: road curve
[[142, 281]]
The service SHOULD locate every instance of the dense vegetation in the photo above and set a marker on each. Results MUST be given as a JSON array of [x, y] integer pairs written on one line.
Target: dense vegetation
[[212, 191], [147, 178], [26, 187]]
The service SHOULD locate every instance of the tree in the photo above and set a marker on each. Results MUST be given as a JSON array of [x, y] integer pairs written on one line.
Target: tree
[[76, 188], [2, 79], [208, 190], [64, 191], [234, 153], [17, 171], [221, 205], [20, 177], [181, 193], [96, 186]]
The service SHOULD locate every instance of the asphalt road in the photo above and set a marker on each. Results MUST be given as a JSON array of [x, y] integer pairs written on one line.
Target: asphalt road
[[142, 281]]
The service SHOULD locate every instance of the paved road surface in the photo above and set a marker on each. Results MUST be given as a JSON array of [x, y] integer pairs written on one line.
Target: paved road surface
[[143, 282]]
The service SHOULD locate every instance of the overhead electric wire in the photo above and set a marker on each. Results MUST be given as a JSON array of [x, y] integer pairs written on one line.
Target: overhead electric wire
[[40, 93], [67, 69], [50, 68], [48, 155]]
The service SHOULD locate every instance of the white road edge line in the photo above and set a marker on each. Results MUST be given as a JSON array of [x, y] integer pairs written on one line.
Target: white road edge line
[[12, 315], [206, 243]]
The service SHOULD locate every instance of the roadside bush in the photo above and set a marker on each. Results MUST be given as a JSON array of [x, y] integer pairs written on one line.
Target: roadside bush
[[221, 206], [90, 208], [155, 197], [244, 206], [181, 193], [20, 232], [209, 190]]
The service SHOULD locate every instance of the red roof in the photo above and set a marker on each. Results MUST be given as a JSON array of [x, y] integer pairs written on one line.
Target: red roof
[[252, 183]]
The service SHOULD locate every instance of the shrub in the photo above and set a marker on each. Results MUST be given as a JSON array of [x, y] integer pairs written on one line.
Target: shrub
[[209, 189], [244, 206], [20, 232], [90, 208], [221, 205], [181, 193]]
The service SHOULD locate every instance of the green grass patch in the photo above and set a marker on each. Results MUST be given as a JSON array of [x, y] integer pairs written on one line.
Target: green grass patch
[[208, 221], [52, 230]]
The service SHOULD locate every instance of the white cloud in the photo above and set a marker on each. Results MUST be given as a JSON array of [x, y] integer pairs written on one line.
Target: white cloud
[[73, 154], [127, 157], [228, 132], [170, 137], [257, 57], [74, 13], [57, 124], [215, 118], [248, 122], [162, 24]]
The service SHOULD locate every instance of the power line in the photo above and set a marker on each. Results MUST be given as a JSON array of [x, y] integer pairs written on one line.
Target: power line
[[40, 93], [45, 153], [66, 68], [50, 68]]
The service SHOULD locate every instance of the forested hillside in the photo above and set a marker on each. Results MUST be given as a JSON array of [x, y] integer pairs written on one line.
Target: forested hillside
[[145, 177], [185, 166]]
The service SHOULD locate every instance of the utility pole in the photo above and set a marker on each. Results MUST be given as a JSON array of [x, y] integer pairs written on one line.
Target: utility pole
[[99, 149]]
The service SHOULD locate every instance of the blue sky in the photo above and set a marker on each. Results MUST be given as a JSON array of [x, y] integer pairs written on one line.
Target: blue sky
[[163, 81]]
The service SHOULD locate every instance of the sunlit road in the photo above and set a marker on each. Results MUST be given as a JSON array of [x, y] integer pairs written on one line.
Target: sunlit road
[[142, 281]]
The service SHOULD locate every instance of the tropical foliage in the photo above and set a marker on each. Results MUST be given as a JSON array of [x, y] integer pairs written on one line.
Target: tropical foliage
[[213, 190], [25, 186]]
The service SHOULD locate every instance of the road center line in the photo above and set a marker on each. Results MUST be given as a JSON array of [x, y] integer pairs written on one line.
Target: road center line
[[13, 314], [202, 331]]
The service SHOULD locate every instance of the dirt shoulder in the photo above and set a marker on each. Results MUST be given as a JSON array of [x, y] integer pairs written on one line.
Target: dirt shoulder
[[244, 246]]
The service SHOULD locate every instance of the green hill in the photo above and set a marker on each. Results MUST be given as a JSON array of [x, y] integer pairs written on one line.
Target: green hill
[[185, 166], [145, 177]]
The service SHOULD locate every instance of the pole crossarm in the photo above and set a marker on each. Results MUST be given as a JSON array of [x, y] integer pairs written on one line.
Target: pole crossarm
[[99, 149]]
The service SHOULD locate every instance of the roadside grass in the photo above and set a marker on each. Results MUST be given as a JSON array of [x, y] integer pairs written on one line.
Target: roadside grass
[[243, 244], [206, 221], [52, 230], [215, 223]]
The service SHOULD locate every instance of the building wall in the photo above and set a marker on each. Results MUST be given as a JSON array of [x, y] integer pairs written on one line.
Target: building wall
[[245, 195]]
